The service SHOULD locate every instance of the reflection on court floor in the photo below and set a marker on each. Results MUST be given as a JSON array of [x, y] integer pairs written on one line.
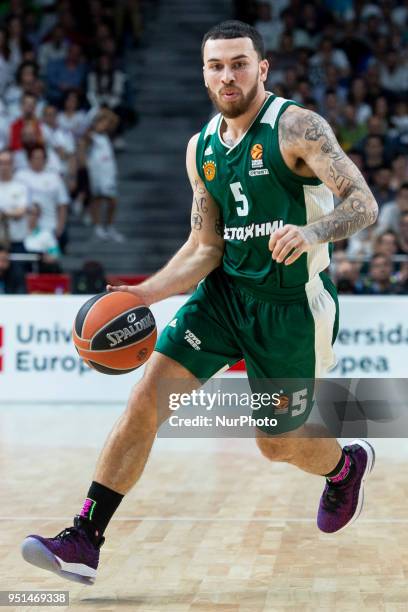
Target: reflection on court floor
[[212, 526]]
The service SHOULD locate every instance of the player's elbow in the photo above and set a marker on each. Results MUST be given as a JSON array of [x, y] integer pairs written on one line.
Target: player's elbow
[[212, 253], [372, 212]]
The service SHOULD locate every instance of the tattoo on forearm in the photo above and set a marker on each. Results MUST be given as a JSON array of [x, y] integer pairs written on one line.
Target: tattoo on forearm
[[348, 218], [196, 221], [219, 227]]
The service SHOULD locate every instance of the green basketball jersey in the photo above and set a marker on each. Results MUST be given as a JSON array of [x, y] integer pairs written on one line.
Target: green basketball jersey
[[257, 194]]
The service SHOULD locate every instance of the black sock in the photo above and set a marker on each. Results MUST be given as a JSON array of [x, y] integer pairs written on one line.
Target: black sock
[[342, 469], [99, 506]]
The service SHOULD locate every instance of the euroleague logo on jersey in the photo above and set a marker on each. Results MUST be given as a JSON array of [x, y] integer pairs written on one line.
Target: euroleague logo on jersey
[[257, 151], [257, 168], [209, 168]]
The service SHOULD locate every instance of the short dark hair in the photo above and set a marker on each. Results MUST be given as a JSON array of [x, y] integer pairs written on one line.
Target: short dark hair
[[28, 94], [235, 29], [377, 256], [36, 147]]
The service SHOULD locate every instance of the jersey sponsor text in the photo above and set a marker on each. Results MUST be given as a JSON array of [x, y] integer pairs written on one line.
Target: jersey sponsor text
[[254, 230]]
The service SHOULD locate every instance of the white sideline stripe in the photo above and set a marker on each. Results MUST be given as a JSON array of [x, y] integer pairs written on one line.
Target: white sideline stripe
[[76, 568], [193, 519]]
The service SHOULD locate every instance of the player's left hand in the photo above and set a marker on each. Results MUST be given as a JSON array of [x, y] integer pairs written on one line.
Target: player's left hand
[[288, 243]]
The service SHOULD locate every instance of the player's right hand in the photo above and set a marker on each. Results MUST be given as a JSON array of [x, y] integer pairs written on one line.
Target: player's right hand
[[136, 290]]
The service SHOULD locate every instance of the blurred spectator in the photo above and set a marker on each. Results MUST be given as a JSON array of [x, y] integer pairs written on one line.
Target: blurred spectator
[[65, 74], [91, 279], [128, 13], [387, 244], [347, 275], [360, 245], [380, 279], [354, 46], [390, 213], [6, 68], [55, 48], [18, 43], [275, 75], [394, 72], [39, 239], [48, 191], [403, 234], [328, 55], [72, 118], [26, 83], [11, 281], [381, 186], [33, 32], [374, 155], [14, 201], [106, 85], [399, 122], [103, 175], [62, 143], [357, 96], [331, 107], [286, 54], [269, 30], [399, 171], [374, 87], [28, 116], [30, 138], [331, 83], [382, 111], [350, 132]]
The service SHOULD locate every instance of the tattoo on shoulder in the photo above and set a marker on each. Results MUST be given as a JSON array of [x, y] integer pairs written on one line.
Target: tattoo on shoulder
[[198, 187], [357, 208], [318, 129]]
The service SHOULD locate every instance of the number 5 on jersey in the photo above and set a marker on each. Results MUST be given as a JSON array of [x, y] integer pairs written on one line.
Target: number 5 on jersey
[[239, 196]]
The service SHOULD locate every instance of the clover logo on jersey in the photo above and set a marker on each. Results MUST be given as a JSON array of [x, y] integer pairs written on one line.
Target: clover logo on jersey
[[209, 168], [257, 151]]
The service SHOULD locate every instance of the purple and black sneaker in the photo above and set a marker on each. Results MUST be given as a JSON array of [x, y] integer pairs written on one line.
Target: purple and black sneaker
[[341, 503], [72, 554]]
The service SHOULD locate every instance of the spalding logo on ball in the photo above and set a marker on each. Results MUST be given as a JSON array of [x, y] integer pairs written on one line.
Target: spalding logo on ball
[[114, 333]]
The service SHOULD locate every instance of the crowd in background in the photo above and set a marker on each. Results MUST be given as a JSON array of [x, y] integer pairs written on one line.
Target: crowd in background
[[65, 104], [348, 61]]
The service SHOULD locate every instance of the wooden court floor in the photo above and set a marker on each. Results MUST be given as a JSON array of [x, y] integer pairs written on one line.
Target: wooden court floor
[[211, 527]]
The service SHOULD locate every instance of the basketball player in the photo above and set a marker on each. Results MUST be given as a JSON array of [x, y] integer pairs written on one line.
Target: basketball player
[[263, 174]]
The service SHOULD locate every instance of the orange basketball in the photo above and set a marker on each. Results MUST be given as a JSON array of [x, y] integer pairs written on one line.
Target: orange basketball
[[114, 333]]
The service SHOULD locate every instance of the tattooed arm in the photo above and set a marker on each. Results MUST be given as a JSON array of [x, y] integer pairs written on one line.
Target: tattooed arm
[[310, 148], [202, 252]]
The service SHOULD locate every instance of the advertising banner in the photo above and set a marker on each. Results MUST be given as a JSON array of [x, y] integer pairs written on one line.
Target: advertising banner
[[38, 361]]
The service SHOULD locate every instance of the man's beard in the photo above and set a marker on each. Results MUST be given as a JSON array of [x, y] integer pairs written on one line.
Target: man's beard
[[234, 109]]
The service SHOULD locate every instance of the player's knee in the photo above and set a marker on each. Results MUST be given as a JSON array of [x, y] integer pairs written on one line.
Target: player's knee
[[275, 449], [141, 405]]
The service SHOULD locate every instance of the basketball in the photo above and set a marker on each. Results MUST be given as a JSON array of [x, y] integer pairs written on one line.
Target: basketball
[[114, 333]]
